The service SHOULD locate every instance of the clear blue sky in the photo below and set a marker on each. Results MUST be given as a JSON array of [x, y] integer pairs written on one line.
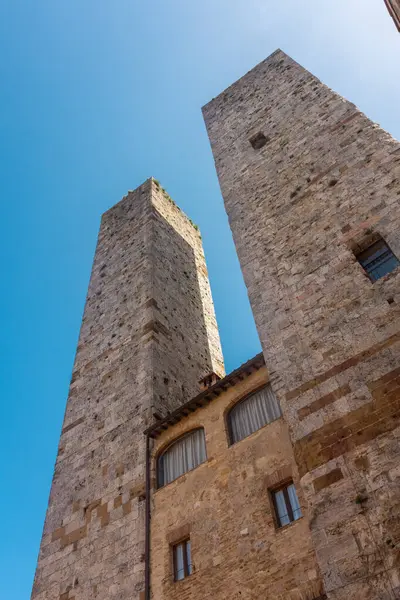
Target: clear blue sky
[[96, 96]]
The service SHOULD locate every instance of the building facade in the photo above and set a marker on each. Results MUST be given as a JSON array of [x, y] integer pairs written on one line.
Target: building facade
[[312, 191], [224, 508], [280, 480]]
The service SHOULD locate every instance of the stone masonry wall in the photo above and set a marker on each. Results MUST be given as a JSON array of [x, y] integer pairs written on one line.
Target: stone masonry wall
[[326, 180], [224, 506], [394, 10], [148, 335]]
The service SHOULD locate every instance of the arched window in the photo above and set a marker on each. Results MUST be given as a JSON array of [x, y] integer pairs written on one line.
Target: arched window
[[181, 456], [252, 413]]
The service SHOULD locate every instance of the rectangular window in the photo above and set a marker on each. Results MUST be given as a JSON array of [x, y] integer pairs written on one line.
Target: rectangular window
[[182, 560], [286, 504], [377, 260]]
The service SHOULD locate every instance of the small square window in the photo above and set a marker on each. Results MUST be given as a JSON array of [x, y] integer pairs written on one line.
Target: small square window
[[258, 140], [377, 260], [182, 559], [286, 504]]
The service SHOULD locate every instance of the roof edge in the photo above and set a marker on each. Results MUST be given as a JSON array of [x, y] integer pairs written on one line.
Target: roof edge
[[277, 52], [205, 397]]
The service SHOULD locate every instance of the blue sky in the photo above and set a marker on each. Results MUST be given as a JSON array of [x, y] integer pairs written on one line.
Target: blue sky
[[96, 97]]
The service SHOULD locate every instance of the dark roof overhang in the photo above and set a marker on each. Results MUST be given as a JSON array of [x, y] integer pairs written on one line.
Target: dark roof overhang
[[206, 396]]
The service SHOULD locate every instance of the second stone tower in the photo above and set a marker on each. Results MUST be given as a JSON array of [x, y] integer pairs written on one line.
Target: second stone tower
[[311, 188], [148, 336]]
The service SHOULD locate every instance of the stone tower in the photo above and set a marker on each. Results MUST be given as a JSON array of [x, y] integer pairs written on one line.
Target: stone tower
[[309, 182], [393, 7], [148, 336]]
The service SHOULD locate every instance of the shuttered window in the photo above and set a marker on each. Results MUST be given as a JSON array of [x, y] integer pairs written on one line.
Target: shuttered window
[[252, 413], [181, 456], [377, 260]]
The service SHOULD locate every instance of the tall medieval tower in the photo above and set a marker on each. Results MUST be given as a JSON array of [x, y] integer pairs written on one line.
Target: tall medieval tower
[[309, 184], [393, 7], [148, 336]]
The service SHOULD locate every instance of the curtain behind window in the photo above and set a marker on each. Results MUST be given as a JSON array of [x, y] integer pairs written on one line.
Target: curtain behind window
[[254, 412], [294, 502], [184, 455], [281, 509]]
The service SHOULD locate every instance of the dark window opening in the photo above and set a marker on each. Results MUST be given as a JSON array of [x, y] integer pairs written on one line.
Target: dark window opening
[[286, 504], [182, 559], [258, 140], [377, 260]]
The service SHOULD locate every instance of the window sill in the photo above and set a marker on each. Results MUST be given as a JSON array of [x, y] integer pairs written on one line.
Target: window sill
[[284, 527], [171, 584], [386, 277], [180, 581], [234, 444], [180, 478]]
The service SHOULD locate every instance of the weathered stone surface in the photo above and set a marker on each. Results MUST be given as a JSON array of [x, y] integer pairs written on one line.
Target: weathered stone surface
[[308, 181], [324, 180], [394, 10], [225, 507], [148, 336]]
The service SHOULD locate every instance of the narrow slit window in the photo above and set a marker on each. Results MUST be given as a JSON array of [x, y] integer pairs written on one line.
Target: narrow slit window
[[286, 504], [182, 558], [377, 260]]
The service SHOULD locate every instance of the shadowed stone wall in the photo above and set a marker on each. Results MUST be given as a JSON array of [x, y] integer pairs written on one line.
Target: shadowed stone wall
[[148, 335], [306, 179]]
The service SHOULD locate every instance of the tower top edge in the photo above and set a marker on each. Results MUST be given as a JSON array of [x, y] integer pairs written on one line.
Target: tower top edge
[[277, 54], [151, 185], [140, 187]]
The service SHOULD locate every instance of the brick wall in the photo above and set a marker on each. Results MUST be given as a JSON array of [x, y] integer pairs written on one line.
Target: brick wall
[[299, 205], [148, 335], [224, 506]]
